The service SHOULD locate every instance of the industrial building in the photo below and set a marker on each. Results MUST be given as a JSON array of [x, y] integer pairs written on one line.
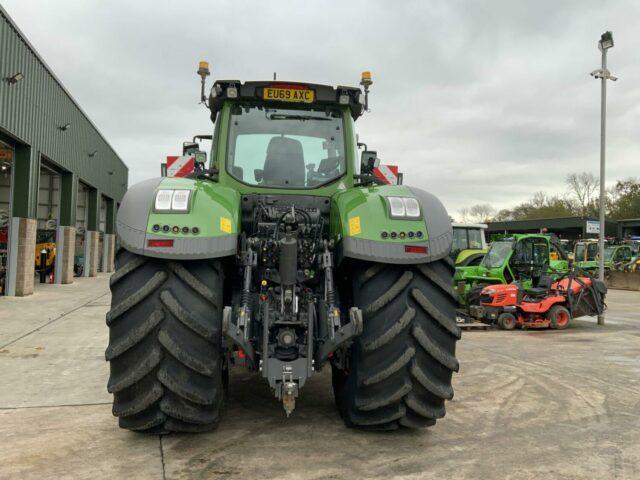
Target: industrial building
[[60, 180], [629, 228], [570, 228]]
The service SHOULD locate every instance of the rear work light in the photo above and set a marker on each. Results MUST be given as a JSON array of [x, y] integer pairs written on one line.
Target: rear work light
[[415, 249], [158, 242], [180, 201], [404, 208]]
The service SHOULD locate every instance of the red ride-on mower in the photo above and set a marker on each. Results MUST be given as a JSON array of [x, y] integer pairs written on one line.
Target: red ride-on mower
[[548, 305]]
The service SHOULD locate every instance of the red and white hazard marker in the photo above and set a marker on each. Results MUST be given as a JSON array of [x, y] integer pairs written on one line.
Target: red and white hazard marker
[[387, 173], [180, 166]]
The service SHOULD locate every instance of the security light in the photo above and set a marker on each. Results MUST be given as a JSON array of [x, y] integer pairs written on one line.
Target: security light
[[93, 154], [65, 127], [603, 74], [606, 41], [15, 78]]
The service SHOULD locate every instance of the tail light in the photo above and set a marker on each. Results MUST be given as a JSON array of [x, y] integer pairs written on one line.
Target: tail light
[[159, 242], [415, 249]]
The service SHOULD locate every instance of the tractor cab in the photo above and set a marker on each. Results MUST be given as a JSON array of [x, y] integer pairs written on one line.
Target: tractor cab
[[616, 256], [469, 244], [585, 251], [530, 259], [585, 255], [289, 137]]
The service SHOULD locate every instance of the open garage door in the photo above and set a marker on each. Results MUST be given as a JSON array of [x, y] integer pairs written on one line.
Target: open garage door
[[82, 210], [101, 229], [48, 216], [6, 180]]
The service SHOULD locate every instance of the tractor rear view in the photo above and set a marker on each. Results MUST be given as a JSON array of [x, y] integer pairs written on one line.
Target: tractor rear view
[[285, 250]]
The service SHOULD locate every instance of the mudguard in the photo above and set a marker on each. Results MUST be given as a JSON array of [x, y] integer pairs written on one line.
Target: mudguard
[[362, 227], [214, 210], [465, 257]]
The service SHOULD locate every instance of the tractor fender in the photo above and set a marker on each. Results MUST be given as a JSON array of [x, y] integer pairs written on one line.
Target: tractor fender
[[470, 257], [362, 226], [214, 210], [438, 223]]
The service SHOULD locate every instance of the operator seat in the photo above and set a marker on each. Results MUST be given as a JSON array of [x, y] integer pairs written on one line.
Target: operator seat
[[284, 164], [541, 288]]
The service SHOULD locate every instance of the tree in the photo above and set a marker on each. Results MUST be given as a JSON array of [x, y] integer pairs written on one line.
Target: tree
[[504, 215], [480, 213], [582, 188], [624, 199], [464, 215]]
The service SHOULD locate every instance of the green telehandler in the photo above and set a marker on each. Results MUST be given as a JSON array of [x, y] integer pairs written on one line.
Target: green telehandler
[[284, 250], [524, 258]]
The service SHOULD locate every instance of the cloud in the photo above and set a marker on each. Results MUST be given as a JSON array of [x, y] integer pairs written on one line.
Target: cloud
[[476, 101]]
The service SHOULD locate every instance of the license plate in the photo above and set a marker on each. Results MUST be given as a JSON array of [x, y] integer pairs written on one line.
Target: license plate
[[288, 95]]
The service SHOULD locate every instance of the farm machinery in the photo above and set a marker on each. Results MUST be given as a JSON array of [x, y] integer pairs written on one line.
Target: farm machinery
[[285, 250], [525, 258], [469, 244], [551, 304]]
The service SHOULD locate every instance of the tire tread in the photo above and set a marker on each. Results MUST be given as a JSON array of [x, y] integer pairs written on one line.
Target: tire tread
[[400, 368], [166, 371]]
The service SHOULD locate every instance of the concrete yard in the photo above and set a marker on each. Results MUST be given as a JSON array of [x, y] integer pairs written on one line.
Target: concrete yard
[[528, 405]]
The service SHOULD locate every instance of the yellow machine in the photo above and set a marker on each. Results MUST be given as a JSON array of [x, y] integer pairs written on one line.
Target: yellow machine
[[50, 247]]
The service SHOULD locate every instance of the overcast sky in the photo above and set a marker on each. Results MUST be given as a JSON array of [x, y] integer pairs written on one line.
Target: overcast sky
[[475, 101]]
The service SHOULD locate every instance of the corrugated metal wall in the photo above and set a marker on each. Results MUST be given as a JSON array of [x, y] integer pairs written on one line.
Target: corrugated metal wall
[[34, 108]]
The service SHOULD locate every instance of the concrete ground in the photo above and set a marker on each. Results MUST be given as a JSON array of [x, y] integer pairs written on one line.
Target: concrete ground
[[528, 405]]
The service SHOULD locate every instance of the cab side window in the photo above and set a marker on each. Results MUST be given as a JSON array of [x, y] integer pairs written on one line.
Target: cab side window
[[459, 239], [475, 238], [623, 254]]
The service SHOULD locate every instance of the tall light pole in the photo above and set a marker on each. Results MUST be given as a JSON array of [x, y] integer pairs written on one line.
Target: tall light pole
[[605, 43]]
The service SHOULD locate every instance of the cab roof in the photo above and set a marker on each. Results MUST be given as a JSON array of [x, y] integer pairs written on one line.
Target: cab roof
[[482, 226], [253, 92]]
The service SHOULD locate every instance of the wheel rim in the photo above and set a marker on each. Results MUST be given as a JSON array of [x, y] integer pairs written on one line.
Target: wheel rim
[[508, 322], [562, 318]]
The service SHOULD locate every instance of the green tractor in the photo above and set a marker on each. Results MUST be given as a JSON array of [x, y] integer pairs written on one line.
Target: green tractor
[[524, 258], [469, 244], [616, 257], [283, 253], [585, 255]]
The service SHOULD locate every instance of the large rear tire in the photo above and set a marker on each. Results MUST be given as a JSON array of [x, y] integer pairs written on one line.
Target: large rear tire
[[399, 370], [165, 348]]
